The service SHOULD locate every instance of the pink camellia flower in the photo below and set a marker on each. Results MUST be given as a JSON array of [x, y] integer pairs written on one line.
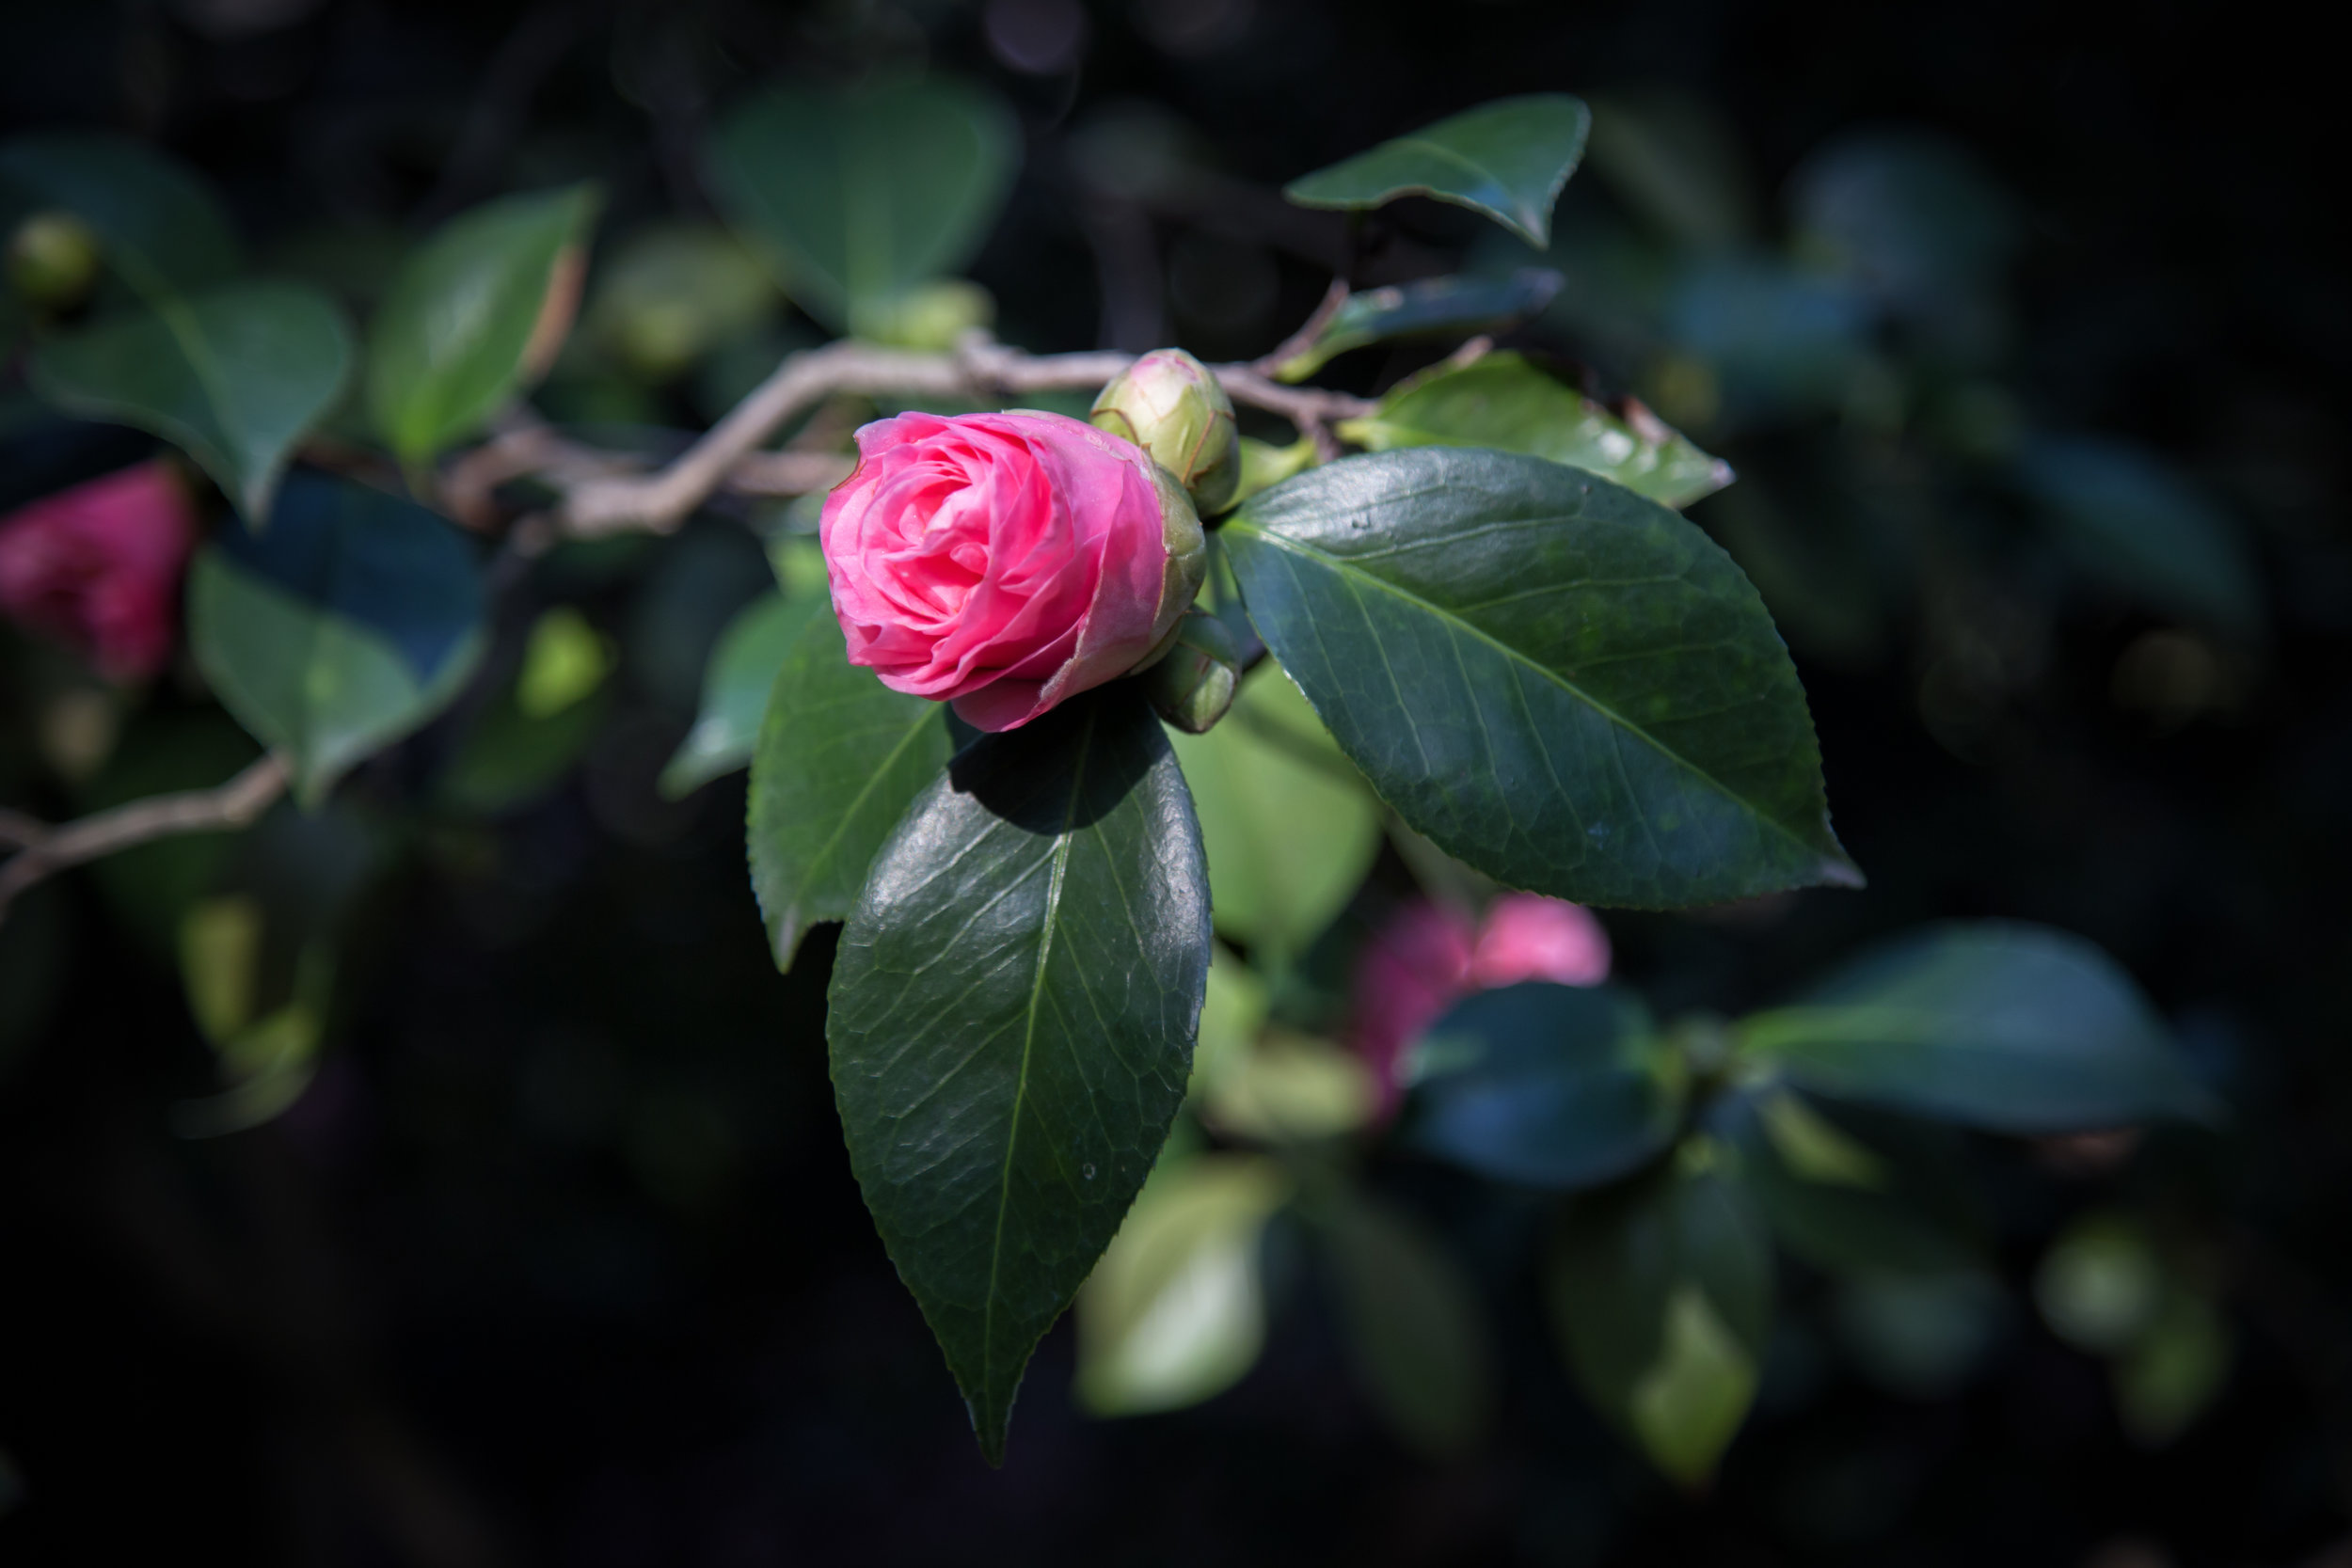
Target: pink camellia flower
[[1430, 955], [1006, 562], [98, 566]]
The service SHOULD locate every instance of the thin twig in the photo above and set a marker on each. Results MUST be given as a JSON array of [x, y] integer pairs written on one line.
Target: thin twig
[[661, 502], [17, 830], [234, 804]]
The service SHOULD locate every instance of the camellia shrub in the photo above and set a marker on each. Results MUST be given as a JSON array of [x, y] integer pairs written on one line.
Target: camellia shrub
[[1086, 710]]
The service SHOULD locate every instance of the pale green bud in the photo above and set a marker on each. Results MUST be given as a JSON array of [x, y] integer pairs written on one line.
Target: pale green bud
[[53, 259], [1187, 564], [1193, 683], [1168, 403]]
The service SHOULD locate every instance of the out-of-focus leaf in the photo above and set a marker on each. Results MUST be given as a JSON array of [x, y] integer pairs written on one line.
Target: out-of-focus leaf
[[840, 757], [157, 223], [1413, 1326], [675, 292], [1661, 1291], [1435, 305], [1775, 339], [235, 377], [1507, 159], [353, 621], [451, 343], [2012, 1027], [853, 196], [565, 660], [1921, 1335], [1914, 217], [2140, 528], [1503, 401], [1677, 163], [1546, 1086], [1290, 832], [1233, 1011], [149, 887], [1288, 1089], [266, 1061], [1845, 1206], [743, 671], [2171, 1375], [2102, 1285], [1011, 1020], [1567, 685], [1175, 1311], [510, 757]]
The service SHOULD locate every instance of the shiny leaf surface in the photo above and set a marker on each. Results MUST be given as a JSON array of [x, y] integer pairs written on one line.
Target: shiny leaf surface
[[1503, 401], [1012, 1015], [1564, 684], [1435, 305], [1507, 159], [840, 757]]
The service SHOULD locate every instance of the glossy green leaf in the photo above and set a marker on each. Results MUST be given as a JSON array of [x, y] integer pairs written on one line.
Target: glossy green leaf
[[1414, 1331], [1507, 159], [1563, 685], [1662, 1291], [1290, 828], [158, 224], [743, 671], [1459, 305], [2128, 519], [235, 377], [2011, 1027], [840, 757], [1175, 1312], [353, 621], [855, 195], [1012, 1014], [1503, 401], [447, 349], [1545, 1086]]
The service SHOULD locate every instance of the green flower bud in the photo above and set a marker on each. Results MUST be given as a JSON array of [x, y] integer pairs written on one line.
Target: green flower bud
[[1187, 564], [930, 318], [53, 259], [1193, 685], [1170, 405]]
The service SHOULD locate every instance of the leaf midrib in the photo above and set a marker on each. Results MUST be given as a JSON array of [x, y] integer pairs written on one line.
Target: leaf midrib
[[1350, 572], [857, 802], [1062, 842]]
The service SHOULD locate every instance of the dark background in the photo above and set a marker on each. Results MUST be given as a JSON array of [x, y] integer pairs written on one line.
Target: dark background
[[560, 1259]]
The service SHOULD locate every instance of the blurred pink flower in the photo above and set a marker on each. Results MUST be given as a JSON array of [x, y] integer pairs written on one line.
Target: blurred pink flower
[[98, 566], [1529, 937], [1431, 956]]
